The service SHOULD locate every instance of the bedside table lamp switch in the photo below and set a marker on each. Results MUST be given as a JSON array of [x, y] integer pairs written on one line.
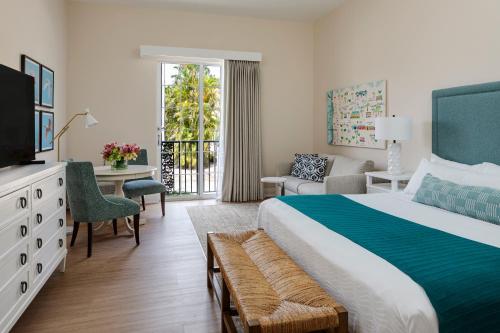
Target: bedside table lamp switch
[[393, 129]]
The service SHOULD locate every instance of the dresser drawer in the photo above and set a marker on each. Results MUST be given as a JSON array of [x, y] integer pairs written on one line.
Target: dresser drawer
[[14, 205], [43, 213], [44, 189], [42, 235], [44, 258], [14, 233], [13, 293], [10, 264]]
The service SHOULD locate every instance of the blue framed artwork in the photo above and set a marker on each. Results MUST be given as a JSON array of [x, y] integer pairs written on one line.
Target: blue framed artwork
[[37, 131], [32, 68], [46, 131], [47, 87]]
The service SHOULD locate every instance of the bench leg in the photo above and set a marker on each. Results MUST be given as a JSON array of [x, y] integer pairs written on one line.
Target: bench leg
[[343, 319], [225, 306], [210, 265]]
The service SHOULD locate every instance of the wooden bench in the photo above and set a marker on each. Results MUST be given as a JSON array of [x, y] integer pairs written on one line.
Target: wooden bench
[[269, 291]]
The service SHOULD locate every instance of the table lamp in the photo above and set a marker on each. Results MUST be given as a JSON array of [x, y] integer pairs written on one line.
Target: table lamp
[[393, 129], [90, 121]]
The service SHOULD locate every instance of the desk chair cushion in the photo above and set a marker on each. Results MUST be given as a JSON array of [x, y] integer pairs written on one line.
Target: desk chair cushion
[[86, 202], [137, 188], [128, 207]]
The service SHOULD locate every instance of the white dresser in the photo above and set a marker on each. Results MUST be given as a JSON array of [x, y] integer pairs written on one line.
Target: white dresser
[[32, 234]]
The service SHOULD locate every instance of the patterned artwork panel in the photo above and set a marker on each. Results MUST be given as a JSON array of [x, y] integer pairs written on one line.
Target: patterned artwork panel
[[351, 114]]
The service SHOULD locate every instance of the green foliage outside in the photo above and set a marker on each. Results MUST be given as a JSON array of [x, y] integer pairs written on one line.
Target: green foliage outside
[[181, 112], [181, 105]]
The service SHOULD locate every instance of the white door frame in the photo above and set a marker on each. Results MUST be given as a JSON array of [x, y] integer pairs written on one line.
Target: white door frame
[[160, 131]]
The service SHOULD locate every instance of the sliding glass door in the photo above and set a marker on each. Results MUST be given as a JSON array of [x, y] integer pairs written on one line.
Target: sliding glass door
[[189, 136]]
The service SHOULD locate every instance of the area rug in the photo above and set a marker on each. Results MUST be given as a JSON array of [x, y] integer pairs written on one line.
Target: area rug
[[222, 217]]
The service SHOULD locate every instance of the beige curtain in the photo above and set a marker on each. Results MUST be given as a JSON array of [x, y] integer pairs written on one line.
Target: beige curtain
[[242, 133]]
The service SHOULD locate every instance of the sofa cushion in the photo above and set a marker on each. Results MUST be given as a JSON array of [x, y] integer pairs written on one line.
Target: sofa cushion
[[312, 188], [292, 183], [348, 166], [329, 162]]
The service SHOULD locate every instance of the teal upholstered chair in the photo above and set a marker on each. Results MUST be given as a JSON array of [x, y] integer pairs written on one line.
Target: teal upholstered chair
[[141, 187], [88, 205]]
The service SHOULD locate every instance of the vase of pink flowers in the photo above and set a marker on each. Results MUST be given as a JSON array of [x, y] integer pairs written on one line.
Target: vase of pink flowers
[[119, 155]]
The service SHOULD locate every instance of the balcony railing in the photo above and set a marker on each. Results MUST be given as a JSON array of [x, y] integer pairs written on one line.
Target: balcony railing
[[180, 171]]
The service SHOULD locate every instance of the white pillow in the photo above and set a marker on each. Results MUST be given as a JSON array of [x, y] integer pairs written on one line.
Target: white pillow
[[459, 176], [456, 165], [490, 169], [417, 177]]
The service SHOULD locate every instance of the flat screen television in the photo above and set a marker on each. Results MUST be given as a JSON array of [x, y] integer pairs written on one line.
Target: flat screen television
[[17, 112]]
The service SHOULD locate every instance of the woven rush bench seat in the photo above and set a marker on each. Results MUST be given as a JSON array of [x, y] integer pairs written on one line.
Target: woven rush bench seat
[[270, 292]]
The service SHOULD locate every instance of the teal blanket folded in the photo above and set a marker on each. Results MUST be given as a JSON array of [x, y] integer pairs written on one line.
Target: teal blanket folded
[[461, 277]]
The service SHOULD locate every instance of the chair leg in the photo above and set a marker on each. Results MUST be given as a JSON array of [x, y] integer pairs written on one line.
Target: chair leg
[[136, 228], [162, 199], [89, 239], [115, 227], [76, 226], [143, 203]]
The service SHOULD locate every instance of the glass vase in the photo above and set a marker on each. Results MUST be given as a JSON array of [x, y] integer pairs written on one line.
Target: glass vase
[[119, 165]]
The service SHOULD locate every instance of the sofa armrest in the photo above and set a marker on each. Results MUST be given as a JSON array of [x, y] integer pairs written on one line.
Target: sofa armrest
[[345, 184], [284, 169]]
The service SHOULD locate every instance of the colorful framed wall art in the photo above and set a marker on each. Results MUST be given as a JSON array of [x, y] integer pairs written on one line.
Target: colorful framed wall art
[[47, 87], [351, 114], [37, 131], [32, 68], [46, 131]]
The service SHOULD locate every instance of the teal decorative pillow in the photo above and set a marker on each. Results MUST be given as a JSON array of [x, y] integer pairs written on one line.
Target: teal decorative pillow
[[478, 202]]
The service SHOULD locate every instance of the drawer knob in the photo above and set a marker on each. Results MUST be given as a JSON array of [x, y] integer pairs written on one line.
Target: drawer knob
[[61, 181], [61, 223], [24, 230], [61, 202], [39, 268], [39, 243], [39, 193], [24, 259], [61, 242], [39, 218], [24, 202], [24, 287]]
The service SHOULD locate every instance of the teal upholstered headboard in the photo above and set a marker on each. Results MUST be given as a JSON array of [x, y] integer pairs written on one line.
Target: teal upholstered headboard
[[466, 123]]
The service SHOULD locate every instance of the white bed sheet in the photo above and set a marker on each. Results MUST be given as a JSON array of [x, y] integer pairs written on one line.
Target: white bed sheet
[[378, 297]]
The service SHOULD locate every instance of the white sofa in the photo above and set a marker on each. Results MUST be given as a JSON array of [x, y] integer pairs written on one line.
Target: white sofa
[[344, 175]]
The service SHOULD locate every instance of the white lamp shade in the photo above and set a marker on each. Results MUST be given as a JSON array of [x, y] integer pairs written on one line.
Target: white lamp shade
[[393, 128], [90, 120]]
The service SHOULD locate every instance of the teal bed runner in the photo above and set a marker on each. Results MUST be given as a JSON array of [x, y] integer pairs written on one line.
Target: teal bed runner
[[461, 277]]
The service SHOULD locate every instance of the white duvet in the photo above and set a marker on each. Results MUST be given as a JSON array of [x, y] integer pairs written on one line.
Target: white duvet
[[378, 297]]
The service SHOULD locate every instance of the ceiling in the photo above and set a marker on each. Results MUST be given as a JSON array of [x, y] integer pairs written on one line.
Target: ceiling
[[303, 10]]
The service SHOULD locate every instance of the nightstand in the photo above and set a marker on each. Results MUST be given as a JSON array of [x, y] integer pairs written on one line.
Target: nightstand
[[394, 184]]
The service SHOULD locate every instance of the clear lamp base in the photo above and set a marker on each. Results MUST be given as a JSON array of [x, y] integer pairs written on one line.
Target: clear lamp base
[[394, 159]]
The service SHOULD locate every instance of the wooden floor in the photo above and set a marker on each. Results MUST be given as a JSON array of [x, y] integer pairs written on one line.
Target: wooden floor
[[159, 286]]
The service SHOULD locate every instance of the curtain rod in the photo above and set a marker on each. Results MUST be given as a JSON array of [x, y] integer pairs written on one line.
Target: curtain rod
[[206, 55]]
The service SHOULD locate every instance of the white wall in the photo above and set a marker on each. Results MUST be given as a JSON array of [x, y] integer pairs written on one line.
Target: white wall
[[37, 29], [107, 74], [417, 46]]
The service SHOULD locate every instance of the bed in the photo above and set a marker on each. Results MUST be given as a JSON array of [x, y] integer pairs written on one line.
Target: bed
[[378, 296]]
